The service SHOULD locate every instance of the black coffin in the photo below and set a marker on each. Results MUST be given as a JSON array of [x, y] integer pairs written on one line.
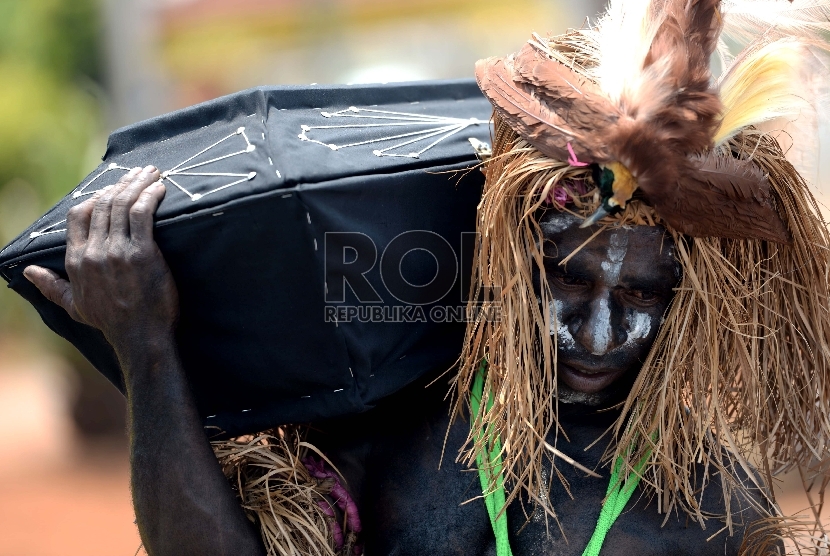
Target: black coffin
[[271, 194]]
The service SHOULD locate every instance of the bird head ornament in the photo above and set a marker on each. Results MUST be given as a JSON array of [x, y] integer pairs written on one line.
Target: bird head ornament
[[643, 109]]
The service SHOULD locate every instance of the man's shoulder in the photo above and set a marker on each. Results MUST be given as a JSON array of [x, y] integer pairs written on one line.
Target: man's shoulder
[[697, 518]]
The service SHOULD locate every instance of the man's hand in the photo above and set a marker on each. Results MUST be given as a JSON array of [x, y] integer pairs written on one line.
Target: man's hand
[[118, 281], [120, 284]]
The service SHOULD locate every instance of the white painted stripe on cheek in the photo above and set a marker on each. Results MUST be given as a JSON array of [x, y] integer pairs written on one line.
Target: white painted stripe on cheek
[[639, 326], [564, 338]]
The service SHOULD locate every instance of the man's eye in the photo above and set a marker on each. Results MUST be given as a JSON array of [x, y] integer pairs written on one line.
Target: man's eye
[[569, 281], [643, 296]]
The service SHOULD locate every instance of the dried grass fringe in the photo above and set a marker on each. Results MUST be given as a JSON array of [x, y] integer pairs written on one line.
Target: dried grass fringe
[[738, 374], [277, 492]]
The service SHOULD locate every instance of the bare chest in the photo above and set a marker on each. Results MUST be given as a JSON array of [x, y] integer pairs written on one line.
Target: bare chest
[[411, 506]]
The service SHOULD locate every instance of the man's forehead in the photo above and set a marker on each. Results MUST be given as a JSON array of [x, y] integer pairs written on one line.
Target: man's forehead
[[636, 244]]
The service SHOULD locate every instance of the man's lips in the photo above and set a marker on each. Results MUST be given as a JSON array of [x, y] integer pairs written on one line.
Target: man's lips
[[587, 380]]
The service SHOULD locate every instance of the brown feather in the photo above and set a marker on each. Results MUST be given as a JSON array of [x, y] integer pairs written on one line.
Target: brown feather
[[678, 61], [551, 120], [562, 88], [550, 105], [577, 99], [718, 195], [670, 115]]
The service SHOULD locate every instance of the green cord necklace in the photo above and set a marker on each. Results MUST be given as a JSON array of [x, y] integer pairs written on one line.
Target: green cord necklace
[[489, 464], [616, 497]]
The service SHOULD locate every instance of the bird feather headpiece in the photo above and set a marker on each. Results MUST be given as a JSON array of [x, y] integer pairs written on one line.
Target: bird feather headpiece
[[739, 375], [649, 105]]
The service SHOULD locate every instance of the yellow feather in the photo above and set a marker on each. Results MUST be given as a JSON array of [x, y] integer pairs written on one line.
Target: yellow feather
[[624, 184], [763, 84]]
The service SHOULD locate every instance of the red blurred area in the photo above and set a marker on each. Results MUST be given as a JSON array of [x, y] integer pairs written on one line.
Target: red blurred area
[[64, 470], [78, 508]]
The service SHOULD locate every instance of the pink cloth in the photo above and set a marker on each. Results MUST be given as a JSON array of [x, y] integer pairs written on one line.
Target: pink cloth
[[559, 195], [319, 470]]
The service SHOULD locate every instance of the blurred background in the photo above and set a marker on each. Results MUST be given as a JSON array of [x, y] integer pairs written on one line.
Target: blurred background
[[71, 71]]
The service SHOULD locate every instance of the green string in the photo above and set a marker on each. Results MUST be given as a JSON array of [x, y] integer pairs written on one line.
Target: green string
[[616, 497], [489, 465]]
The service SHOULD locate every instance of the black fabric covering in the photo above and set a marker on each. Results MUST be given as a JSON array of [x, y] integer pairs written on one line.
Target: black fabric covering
[[249, 259]]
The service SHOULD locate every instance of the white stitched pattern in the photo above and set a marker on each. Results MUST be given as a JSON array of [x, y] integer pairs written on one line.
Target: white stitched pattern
[[183, 168], [441, 127]]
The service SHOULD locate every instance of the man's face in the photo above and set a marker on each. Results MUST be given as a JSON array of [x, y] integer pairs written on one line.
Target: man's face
[[610, 299]]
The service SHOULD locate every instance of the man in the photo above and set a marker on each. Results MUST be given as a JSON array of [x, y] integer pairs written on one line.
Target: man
[[661, 273], [611, 297]]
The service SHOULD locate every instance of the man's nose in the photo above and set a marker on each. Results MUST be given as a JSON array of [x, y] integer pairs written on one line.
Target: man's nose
[[598, 333]]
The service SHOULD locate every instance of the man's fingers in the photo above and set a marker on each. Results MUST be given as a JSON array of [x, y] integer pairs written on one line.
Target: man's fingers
[[100, 221], [53, 287], [123, 201], [78, 220], [142, 211], [77, 223]]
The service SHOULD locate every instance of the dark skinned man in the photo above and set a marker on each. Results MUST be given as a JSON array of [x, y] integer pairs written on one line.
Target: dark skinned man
[[660, 268], [611, 297]]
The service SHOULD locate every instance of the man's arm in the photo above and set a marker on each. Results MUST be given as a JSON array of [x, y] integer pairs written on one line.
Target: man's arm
[[120, 284]]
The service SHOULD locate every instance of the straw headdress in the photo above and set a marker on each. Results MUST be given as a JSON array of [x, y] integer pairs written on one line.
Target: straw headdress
[[738, 376]]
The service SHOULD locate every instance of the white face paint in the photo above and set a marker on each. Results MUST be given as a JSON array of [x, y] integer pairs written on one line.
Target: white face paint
[[639, 326], [617, 248], [601, 337], [559, 223], [565, 340], [602, 333]]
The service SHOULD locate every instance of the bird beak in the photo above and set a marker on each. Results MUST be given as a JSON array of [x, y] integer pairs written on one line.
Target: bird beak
[[600, 213]]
